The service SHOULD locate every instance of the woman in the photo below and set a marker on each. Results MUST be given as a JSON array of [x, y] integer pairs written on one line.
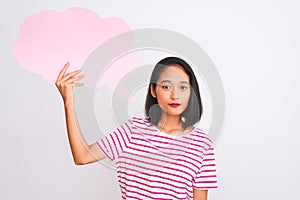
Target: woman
[[161, 156]]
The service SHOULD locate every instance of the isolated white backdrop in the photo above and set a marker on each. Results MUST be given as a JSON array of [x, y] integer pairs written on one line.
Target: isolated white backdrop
[[255, 47]]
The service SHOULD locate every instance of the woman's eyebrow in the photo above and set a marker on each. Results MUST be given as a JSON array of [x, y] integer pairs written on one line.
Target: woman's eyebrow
[[163, 81]]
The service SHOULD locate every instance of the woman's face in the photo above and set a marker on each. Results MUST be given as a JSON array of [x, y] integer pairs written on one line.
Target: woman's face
[[172, 90]]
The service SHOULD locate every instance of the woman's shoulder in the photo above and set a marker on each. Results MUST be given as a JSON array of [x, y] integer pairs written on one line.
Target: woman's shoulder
[[203, 135], [140, 121]]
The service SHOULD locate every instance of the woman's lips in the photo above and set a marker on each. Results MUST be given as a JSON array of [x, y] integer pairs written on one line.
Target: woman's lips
[[174, 105]]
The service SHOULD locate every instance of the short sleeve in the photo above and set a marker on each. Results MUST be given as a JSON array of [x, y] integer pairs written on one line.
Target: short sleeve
[[115, 143], [206, 177]]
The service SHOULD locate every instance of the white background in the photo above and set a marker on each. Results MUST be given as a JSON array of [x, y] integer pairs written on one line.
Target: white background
[[255, 47]]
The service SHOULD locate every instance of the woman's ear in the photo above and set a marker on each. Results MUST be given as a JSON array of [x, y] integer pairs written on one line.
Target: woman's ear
[[153, 93]]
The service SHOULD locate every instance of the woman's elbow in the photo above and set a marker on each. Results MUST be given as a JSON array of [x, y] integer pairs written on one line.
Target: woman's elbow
[[79, 162]]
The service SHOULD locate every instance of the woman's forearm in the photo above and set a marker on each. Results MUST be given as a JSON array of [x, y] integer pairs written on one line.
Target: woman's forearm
[[79, 147]]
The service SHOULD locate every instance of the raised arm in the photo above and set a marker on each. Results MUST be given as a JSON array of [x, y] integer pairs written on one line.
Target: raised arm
[[81, 151]]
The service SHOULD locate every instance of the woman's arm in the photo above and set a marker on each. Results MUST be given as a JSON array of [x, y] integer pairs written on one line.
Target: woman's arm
[[81, 151], [199, 194]]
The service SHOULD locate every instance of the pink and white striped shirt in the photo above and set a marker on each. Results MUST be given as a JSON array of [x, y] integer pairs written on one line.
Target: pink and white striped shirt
[[155, 165]]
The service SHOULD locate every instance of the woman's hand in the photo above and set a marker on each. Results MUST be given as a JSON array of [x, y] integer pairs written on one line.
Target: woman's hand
[[65, 84]]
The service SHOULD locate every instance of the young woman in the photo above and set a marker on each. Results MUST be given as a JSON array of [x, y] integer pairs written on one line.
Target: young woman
[[162, 155]]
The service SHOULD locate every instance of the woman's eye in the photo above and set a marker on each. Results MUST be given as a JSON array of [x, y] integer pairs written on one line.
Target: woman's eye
[[167, 87], [183, 87]]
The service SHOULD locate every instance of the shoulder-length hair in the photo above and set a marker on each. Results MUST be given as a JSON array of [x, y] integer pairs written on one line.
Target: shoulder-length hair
[[192, 114]]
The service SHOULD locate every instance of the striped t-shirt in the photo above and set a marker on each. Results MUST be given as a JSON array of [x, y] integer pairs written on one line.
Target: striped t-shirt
[[155, 165]]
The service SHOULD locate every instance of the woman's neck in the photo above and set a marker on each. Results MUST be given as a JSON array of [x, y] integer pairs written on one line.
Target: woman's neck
[[170, 124]]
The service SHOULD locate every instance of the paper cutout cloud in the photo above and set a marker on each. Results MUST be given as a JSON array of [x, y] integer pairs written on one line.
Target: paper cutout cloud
[[50, 38]]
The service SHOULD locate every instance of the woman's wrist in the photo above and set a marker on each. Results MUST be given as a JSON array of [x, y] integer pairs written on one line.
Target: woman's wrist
[[69, 105]]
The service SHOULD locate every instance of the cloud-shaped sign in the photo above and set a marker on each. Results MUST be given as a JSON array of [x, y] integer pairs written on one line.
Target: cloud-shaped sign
[[50, 38]]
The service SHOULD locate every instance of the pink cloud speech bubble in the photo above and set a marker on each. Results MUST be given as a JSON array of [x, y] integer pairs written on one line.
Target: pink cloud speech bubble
[[50, 38]]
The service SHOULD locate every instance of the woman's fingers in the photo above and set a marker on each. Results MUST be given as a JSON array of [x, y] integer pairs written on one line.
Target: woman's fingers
[[77, 84], [72, 79], [63, 71], [68, 79], [67, 76], [62, 76]]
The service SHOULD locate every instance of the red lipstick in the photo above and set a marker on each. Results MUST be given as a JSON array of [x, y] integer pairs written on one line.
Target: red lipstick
[[174, 105]]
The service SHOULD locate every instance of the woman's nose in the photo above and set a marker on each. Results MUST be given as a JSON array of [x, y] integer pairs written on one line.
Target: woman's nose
[[174, 95]]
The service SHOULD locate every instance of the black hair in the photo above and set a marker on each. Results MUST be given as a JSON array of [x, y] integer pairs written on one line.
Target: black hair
[[192, 114]]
